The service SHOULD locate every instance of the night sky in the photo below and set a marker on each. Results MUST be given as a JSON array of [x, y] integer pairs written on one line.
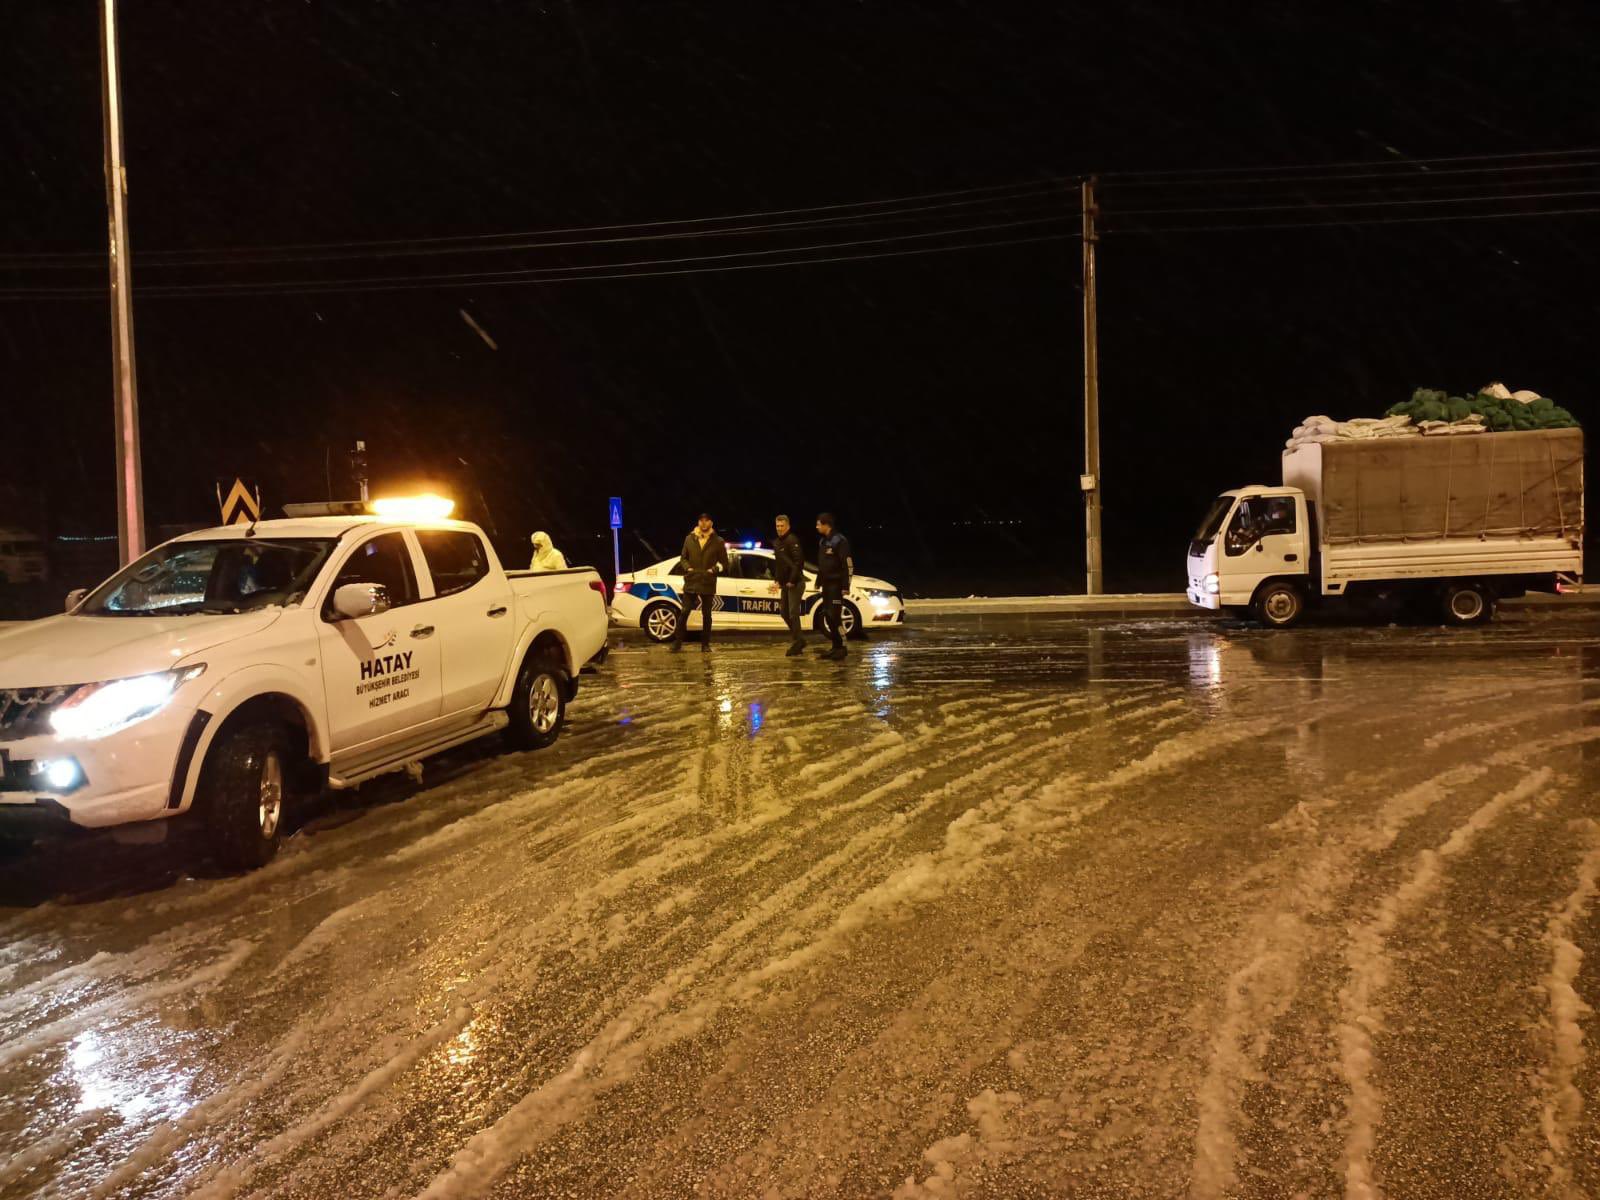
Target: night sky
[[933, 400]]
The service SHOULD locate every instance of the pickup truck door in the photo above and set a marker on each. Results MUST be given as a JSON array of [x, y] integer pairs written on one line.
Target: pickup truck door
[[1265, 539], [476, 620], [381, 672]]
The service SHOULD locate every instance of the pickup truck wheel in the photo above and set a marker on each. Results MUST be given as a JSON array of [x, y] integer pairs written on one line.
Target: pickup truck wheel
[[244, 789], [1467, 604], [1280, 605], [659, 621], [538, 705]]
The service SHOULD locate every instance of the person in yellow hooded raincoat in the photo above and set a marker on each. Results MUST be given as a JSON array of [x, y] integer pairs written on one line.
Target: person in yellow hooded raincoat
[[545, 556]]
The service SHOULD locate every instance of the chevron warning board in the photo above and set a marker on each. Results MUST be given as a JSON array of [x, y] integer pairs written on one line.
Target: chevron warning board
[[241, 506]]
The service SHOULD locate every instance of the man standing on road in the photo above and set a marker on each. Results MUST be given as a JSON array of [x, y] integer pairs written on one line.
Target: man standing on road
[[789, 580], [704, 558], [834, 568]]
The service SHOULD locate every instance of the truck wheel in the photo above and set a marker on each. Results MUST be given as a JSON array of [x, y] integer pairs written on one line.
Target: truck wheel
[[660, 621], [538, 705], [1467, 604], [1279, 605], [244, 790]]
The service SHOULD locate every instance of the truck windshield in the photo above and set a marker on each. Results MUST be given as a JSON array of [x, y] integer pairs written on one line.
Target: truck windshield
[[225, 576], [1212, 521]]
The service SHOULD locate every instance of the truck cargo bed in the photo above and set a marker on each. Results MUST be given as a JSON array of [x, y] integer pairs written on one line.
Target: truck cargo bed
[[1487, 485]]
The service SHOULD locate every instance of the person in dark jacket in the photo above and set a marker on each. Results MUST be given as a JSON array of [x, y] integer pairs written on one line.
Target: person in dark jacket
[[834, 568], [789, 580], [704, 558]]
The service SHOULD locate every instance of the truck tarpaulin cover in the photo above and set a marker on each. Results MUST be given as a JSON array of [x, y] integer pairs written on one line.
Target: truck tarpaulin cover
[[1495, 485]]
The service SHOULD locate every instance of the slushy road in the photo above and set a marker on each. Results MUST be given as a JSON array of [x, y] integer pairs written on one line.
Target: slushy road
[[997, 908]]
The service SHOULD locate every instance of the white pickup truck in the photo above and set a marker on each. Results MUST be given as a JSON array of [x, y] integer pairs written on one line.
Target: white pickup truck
[[232, 670]]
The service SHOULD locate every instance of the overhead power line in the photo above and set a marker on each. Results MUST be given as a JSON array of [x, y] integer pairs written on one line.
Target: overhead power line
[[272, 256], [1400, 190], [992, 193], [402, 285], [1335, 205], [449, 278], [1397, 162], [1514, 176], [1343, 224]]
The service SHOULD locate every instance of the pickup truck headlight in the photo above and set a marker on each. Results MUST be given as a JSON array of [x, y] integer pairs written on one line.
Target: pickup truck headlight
[[1213, 585], [98, 709]]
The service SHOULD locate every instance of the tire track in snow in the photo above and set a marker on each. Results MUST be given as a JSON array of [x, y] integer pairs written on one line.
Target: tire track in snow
[[1264, 986], [644, 1027], [232, 1178], [59, 1030], [1368, 960], [228, 1102], [1562, 1104]]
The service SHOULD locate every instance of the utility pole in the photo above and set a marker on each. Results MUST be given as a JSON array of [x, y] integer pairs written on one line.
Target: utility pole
[[1090, 480], [130, 475]]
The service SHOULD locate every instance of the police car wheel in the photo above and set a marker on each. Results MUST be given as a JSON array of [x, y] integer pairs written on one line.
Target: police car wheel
[[849, 621], [244, 789], [659, 621], [538, 705]]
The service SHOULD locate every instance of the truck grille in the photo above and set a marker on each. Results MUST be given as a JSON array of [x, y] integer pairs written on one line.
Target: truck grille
[[25, 712]]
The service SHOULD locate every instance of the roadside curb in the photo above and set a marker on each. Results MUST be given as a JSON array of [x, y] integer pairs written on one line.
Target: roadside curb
[[1123, 605], [1156, 604]]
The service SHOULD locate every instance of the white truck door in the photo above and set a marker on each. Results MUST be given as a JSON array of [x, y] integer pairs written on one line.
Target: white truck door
[[1265, 539], [474, 602], [382, 672]]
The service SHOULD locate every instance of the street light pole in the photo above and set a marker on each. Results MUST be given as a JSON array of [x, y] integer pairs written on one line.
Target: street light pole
[[130, 479], [1091, 397]]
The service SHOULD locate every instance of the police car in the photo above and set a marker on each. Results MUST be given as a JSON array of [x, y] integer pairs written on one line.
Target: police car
[[746, 598]]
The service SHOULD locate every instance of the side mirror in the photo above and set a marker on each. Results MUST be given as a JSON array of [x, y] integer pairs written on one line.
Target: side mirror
[[75, 597], [360, 600]]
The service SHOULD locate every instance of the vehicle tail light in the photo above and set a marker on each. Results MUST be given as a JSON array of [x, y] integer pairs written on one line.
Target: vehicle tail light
[[598, 585]]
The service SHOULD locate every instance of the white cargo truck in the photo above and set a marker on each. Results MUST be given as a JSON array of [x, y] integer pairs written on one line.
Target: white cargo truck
[[232, 670], [1451, 523]]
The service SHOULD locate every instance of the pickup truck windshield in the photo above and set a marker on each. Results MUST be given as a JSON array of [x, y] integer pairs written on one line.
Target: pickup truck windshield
[[225, 576]]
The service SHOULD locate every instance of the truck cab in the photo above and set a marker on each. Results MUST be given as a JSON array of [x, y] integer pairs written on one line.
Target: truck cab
[[1252, 550]]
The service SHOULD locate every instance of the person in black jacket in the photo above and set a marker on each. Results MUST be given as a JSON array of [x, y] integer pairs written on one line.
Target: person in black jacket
[[834, 568], [704, 558], [789, 580]]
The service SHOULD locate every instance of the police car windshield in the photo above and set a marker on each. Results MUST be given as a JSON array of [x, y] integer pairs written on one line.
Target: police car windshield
[[225, 576]]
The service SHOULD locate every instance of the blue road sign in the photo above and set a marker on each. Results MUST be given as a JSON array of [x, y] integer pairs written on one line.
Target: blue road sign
[[616, 512]]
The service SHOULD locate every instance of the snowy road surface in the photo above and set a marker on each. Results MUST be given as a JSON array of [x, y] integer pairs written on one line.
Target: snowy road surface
[[997, 908]]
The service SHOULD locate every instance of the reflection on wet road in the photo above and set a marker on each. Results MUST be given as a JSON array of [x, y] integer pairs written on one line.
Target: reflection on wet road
[[998, 907]]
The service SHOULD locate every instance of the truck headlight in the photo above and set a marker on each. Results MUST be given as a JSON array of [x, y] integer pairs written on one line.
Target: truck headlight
[[1213, 585], [98, 709]]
